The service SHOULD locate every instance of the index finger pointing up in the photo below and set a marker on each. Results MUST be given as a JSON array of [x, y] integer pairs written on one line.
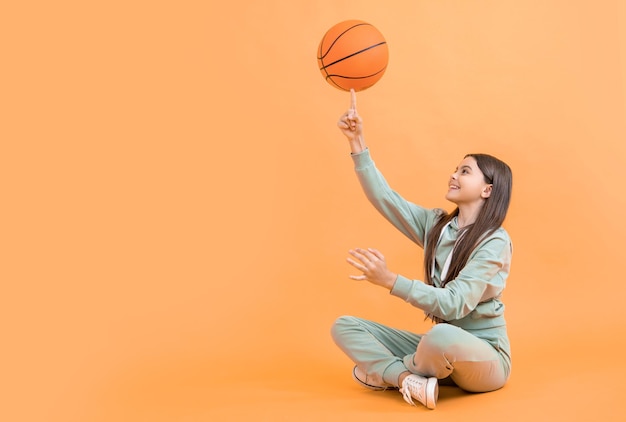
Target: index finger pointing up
[[352, 99]]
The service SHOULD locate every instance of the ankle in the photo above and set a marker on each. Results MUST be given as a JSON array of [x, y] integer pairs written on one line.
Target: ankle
[[401, 378]]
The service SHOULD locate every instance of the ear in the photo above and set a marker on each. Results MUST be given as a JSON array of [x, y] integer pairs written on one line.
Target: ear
[[486, 193]]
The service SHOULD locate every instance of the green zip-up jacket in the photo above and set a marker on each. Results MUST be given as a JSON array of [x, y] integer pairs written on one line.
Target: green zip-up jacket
[[473, 299]]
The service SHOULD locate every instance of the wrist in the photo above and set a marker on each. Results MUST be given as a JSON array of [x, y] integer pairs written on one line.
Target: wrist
[[357, 144], [391, 281]]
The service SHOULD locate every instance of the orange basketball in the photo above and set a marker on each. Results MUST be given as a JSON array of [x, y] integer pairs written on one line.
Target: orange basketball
[[353, 55]]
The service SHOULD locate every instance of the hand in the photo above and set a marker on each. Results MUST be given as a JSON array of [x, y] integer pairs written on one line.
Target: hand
[[373, 266], [350, 122]]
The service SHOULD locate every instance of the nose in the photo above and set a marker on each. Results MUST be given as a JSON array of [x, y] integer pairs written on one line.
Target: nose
[[453, 176]]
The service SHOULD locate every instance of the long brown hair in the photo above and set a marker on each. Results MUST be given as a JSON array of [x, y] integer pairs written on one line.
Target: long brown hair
[[490, 217]]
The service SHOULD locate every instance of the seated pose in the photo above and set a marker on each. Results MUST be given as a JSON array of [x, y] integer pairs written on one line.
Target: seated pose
[[467, 256]]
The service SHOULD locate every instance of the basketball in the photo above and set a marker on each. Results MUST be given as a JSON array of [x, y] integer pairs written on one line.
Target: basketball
[[352, 55]]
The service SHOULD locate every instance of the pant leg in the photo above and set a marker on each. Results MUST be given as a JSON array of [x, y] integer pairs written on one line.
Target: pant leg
[[376, 349], [449, 351]]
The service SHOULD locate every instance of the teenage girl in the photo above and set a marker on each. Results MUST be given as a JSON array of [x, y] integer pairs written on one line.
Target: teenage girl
[[467, 255]]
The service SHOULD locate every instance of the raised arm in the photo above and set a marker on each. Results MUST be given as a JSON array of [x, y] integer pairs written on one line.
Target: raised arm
[[411, 219]]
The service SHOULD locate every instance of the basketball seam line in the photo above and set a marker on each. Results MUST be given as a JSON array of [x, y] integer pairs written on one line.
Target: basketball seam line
[[353, 54], [330, 75], [330, 47]]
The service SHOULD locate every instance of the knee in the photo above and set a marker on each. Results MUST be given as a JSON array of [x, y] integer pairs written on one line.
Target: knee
[[342, 325], [441, 338]]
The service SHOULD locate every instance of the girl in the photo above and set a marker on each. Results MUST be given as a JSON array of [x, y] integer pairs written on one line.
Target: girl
[[467, 255]]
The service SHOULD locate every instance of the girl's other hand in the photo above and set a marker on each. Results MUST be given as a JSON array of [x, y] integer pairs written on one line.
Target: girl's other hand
[[371, 263]]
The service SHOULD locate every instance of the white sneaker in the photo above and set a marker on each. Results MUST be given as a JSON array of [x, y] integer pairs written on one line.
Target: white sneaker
[[361, 377], [424, 390]]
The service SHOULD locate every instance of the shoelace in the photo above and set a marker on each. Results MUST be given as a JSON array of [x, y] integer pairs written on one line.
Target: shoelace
[[411, 385]]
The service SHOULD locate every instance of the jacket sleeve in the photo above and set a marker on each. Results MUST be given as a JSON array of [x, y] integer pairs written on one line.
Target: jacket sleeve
[[411, 219], [482, 279]]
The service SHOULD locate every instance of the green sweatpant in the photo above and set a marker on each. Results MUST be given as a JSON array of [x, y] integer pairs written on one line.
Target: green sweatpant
[[476, 362]]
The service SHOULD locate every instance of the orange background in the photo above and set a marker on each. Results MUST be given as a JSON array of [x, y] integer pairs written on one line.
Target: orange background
[[178, 203]]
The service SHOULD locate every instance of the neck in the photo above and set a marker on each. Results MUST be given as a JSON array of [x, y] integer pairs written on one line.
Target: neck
[[468, 214]]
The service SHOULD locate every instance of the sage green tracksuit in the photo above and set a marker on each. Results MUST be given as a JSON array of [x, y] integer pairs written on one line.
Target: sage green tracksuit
[[471, 348]]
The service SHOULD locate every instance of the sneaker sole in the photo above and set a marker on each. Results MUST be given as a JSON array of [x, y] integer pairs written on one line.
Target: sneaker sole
[[432, 392], [366, 385]]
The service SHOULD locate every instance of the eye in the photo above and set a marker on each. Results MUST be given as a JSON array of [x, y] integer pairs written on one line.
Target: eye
[[464, 171]]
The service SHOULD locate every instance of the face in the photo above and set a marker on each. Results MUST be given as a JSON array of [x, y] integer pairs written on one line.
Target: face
[[467, 184]]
